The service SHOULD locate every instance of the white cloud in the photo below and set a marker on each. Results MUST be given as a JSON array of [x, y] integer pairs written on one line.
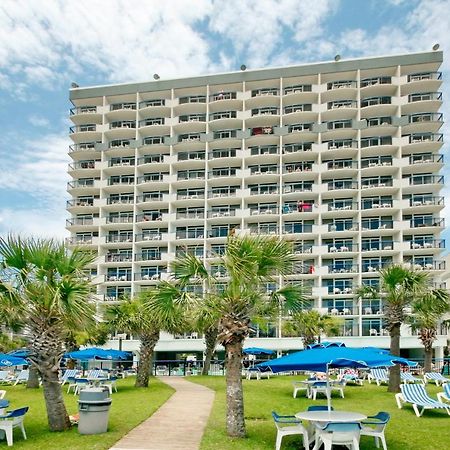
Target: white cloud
[[38, 121], [33, 222]]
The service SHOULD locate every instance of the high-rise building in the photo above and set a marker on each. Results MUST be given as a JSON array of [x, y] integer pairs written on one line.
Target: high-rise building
[[342, 158]]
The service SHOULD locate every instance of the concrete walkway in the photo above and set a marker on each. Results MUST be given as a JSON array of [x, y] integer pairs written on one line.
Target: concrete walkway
[[176, 425]]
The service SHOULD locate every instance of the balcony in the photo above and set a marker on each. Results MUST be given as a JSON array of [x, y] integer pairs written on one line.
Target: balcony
[[83, 147], [424, 243], [118, 257], [292, 188], [423, 222], [80, 221], [81, 240], [264, 229], [377, 245], [376, 224], [82, 165], [342, 164], [192, 99], [342, 268], [151, 159], [375, 101], [122, 106], [265, 92], [81, 202], [118, 277], [192, 118], [341, 185], [120, 200], [376, 161], [263, 210], [421, 138], [425, 264], [152, 103], [190, 234], [420, 180], [122, 124], [144, 276], [342, 205], [300, 127], [223, 172], [116, 181], [119, 238], [305, 166], [426, 200], [151, 177], [120, 219], [195, 214], [297, 227], [346, 84], [154, 140], [296, 148], [423, 122], [222, 96], [343, 226], [342, 247], [224, 212], [376, 141], [376, 203], [81, 183], [191, 156], [375, 81], [191, 175], [83, 110], [377, 182], [419, 102], [223, 153], [189, 137], [149, 235], [83, 128], [191, 195], [222, 192], [152, 122]]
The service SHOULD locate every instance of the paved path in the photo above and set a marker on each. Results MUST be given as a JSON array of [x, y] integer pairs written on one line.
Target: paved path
[[176, 425]]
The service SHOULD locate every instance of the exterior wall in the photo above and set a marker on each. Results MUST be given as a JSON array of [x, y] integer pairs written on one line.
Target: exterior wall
[[341, 158]]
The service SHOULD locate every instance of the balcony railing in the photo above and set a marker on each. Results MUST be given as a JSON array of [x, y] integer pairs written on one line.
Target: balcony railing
[[190, 234], [223, 172], [151, 122], [425, 117], [376, 245], [342, 268], [376, 183], [120, 219], [341, 104], [120, 181], [373, 101], [375, 141], [151, 159], [191, 175], [148, 256], [298, 167], [298, 227], [376, 224], [425, 137], [342, 206], [264, 229], [337, 247], [339, 124], [264, 170], [298, 187], [150, 197], [149, 236], [82, 165], [342, 144], [375, 80], [120, 143], [222, 213], [192, 99], [154, 140], [83, 110], [341, 84], [337, 185], [150, 216], [114, 238], [151, 177], [425, 200], [306, 107], [218, 192], [377, 161], [118, 277], [192, 118], [189, 137], [299, 127], [379, 121], [83, 128], [418, 243], [122, 124], [223, 153], [80, 202], [261, 190], [265, 92], [123, 200], [199, 214], [149, 103], [80, 240], [83, 146], [425, 96], [343, 226], [120, 106], [425, 264], [416, 180], [222, 96], [424, 76], [225, 134], [81, 183], [80, 221], [266, 111], [261, 210], [420, 222], [190, 195], [294, 148], [297, 89], [369, 203], [118, 257], [347, 164]]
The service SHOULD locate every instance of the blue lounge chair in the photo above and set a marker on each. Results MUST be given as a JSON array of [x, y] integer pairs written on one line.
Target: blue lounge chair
[[69, 373], [375, 426], [444, 396], [22, 377], [379, 376], [407, 377], [436, 377], [419, 398], [288, 426]]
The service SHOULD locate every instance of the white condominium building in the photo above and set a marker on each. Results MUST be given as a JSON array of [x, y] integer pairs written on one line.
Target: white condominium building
[[342, 158]]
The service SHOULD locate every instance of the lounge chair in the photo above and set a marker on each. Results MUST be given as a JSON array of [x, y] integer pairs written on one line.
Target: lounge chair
[[5, 377], [407, 377], [2, 394], [95, 373], [444, 396], [13, 419], [346, 433], [69, 373], [299, 386], [288, 426], [320, 387], [350, 376], [379, 376], [110, 383], [22, 377], [419, 398], [436, 377], [375, 426], [339, 386]]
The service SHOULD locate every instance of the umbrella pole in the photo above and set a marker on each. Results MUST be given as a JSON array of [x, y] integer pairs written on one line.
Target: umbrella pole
[[328, 388]]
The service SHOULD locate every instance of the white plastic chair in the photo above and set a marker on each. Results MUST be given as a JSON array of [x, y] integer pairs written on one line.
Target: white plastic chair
[[375, 426], [338, 433], [289, 426], [319, 388], [13, 419], [299, 386], [339, 386]]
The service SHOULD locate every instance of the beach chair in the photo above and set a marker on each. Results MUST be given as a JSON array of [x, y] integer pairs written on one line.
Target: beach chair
[[407, 377], [444, 396], [5, 377], [419, 398], [22, 377], [300, 386], [339, 386], [95, 373], [69, 373], [435, 377], [379, 376], [350, 376], [288, 426], [13, 419], [343, 433], [375, 426], [320, 387]]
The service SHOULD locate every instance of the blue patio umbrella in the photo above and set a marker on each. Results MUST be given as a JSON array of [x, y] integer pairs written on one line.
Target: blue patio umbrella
[[99, 353], [322, 359], [257, 351], [10, 361], [325, 345], [20, 353]]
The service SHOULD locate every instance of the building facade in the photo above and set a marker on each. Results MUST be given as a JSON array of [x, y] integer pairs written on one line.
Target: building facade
[[342, 158]]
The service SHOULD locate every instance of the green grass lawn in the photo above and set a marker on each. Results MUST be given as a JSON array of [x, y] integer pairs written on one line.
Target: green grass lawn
[[130, 406], [405, 431]]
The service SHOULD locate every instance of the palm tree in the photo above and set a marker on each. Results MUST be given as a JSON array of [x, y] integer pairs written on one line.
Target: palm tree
[[131, 316], [427, 311], [249, 262], [310, 325], [399, 287], [47, 288]]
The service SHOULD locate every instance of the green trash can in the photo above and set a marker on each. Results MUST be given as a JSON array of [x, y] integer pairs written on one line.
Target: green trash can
[[93, 407]]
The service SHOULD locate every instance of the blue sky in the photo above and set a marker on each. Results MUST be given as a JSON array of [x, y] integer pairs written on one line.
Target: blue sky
[[46, 44]]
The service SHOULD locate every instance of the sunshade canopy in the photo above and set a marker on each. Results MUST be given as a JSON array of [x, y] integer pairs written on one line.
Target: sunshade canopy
[[9, 361], [320, 359], [99, 353], [258, 351]]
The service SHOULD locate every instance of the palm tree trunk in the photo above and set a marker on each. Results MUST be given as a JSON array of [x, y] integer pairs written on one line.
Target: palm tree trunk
[[394, 372], [235, 395], [58, 420], [211, 340], [148, 342], [428, 358], [33, 377]]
